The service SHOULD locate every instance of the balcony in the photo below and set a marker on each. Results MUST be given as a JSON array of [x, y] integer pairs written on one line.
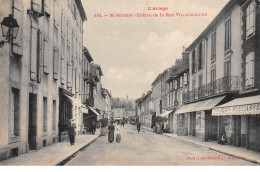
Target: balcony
[[223, 85]]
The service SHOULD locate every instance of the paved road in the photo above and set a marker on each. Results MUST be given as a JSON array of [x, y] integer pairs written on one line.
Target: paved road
[[147, 148]]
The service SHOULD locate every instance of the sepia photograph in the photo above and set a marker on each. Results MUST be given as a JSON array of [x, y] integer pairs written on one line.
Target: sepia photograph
[[92, 83]]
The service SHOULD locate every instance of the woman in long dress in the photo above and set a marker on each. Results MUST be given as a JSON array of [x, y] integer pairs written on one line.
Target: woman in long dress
[[111, 129]]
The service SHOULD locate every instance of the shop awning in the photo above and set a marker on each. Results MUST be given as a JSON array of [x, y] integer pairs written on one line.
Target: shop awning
[[187, 108], [72, 99], [94, 111], [166, 113], [201, 105], [240, 106], [84, 109]]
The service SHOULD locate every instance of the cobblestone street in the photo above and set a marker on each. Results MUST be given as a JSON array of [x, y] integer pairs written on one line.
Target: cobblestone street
[[147, 148]]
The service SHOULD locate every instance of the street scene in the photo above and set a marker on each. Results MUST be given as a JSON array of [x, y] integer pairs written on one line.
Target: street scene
[[129, 83], [147, 148]]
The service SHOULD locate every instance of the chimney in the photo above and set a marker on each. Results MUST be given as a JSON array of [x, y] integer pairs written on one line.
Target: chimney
[[185, 54]]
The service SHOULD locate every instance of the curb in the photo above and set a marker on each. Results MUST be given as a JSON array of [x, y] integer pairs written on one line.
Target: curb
[[73, 155], [212, 149]]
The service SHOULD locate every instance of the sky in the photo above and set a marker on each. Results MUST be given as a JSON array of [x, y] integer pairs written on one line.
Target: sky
[[132, 51]]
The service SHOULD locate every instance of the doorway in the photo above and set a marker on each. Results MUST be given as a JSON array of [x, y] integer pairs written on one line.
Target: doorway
[[32, 121]]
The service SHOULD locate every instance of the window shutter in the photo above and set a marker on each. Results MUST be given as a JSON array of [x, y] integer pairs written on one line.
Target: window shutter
[[63, 25], [39, 56], [62, 67], [247, 71], [46, 55], [181, 83], [69, 72], [55, 63], [203, 54], [47, 7], [57, 15], [80, 89], [37, 6], [33, 64], [77, 81], [73, 78], [69, 33], [17, 44], [185, 79]]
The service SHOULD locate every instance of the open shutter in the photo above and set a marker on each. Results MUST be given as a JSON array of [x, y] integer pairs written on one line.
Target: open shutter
[[46, 55], [39, 56], [47, 7], [17, 44], [80, 85], [77, 81], [37, 6], [63, 25], [203, 54], [73, 45], [69, 73], [55, 63], [62, 67], [57, 15], [33, 64], [73, 78]]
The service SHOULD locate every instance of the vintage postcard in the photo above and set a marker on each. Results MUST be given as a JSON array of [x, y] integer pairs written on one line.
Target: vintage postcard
[[129, 83]]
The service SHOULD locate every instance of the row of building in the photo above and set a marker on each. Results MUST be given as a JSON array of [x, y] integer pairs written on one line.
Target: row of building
[[47, 76], [213, 90]]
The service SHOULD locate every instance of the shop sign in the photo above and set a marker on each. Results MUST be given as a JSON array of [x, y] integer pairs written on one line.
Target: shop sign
[[237, 110]]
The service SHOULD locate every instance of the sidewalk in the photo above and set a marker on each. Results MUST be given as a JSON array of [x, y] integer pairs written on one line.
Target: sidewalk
[[238, 152], [52, 155]]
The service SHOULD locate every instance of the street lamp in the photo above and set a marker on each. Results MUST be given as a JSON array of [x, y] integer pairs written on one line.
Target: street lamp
[[9, 28]]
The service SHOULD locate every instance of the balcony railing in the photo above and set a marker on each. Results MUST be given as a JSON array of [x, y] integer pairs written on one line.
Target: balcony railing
[[222, 85]]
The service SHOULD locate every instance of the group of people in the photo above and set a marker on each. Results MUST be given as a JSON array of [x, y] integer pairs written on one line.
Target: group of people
[[111, 130]]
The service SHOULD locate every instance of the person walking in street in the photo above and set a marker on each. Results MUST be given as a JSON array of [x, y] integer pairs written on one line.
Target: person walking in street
[[123, 123], [71, 132], [138, 125], [118, 136], [111, 129]]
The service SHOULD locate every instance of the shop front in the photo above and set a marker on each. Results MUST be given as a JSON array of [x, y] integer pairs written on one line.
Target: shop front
[[195, 119], [239, 120], [65, 113], [90, 118]]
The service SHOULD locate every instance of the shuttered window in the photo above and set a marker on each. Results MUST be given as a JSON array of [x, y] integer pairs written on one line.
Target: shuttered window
[[185, 81], [80, 91], [73, 78], [213, 46], [250, 69], [55, 63], [250, 19], [63, 25], [62, 64], [77, 81], [17, 44], [227, 66], [69, 74], [39, 56], [57, 14], [193, 65], [46, 55], [33, 57], [228, 34]]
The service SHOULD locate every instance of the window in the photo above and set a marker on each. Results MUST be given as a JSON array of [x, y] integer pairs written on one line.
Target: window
[[62, 62], [200, 56], [228, 34], [44, 119], [185, 80], [39, 56], [250, 69], [55, 63], [193, 67], [181, 82], [15, 112], [193, 84], [33, 58], [250, 19], [54, 115], [213, 74], [200, 80], [213, 46], [227, 66]]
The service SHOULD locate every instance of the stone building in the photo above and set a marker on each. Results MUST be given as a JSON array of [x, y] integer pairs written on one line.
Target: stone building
[[41, 73]]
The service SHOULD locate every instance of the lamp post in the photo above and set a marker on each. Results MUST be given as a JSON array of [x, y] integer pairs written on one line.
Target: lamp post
[[9, 28]]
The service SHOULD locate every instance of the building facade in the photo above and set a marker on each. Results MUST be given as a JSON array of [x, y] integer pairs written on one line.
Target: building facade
[[40, 74]]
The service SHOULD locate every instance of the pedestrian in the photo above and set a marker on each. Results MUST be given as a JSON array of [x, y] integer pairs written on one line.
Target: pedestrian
[[138, 125], [111, 129], [123, 123], [71, 132], [222, 133], [162, 127], [118, 136]]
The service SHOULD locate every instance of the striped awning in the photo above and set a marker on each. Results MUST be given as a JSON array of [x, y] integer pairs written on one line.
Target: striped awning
[[166, 113], [240, 106]]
